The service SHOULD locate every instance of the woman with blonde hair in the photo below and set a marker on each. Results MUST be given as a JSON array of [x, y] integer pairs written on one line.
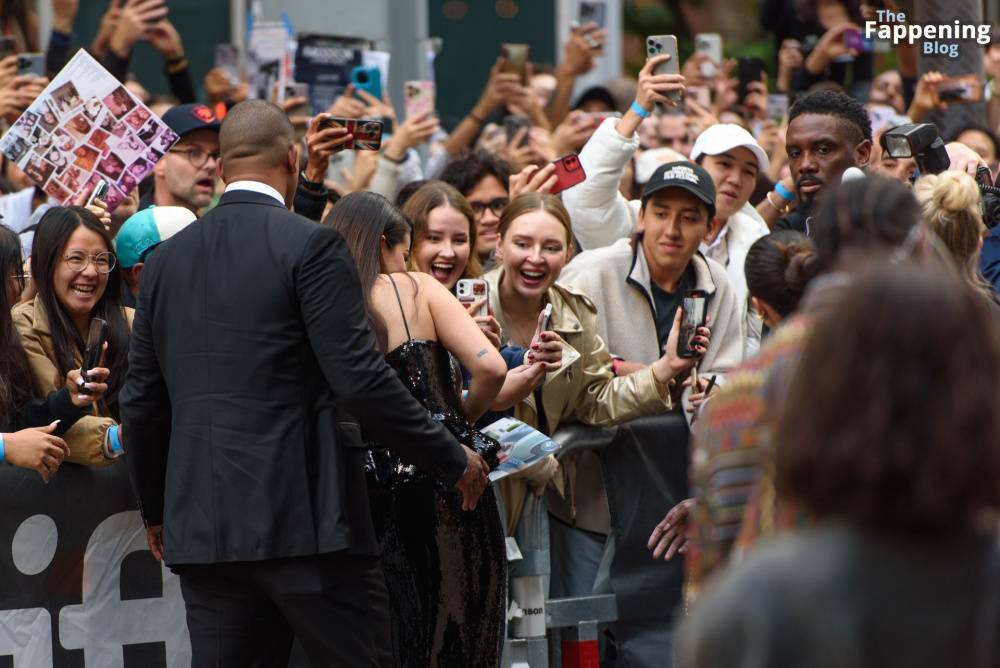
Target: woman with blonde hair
[[950, 205]]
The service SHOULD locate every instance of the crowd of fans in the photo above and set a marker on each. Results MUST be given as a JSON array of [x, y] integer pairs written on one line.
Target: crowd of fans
[[851, 335]]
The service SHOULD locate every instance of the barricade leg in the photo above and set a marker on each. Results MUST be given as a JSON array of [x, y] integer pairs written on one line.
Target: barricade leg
[[580, 647]]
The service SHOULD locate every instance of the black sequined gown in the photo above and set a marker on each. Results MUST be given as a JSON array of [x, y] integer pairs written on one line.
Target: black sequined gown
[[445, 568]]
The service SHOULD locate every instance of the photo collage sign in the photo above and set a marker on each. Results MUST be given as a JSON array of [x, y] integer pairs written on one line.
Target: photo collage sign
[[86, 127]]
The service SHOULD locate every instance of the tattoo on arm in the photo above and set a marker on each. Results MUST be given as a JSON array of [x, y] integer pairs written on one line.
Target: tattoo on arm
[[482, 352]]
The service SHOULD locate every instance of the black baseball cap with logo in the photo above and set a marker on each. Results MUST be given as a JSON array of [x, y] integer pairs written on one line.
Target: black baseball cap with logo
[[186, 118], [686, 176]]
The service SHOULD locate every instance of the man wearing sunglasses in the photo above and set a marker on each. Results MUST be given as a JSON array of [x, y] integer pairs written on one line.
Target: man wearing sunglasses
[[186, 175]]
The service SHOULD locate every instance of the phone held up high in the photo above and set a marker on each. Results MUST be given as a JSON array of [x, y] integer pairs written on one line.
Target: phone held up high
[[693, 316], [657, 45], [31, 65], [418, 98], [470, 290], [96, 338], [366, 134], [749, 69], [569, 172], [515, 60]]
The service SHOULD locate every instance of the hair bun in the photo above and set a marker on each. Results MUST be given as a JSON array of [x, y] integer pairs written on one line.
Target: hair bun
[[955, 192], [801, 265]]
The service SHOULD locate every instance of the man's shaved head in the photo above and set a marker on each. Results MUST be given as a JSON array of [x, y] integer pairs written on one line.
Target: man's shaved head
[[255, 133]]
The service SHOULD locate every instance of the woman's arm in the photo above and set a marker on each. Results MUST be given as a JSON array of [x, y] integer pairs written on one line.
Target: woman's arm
[[462, 337]]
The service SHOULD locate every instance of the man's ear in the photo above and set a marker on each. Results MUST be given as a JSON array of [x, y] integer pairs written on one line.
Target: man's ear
[[293, 158], [137, 271], [640, 224], [219, 166], [863, 153]]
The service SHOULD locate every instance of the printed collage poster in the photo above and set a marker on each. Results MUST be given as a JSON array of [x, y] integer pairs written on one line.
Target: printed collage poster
[[86, 127]]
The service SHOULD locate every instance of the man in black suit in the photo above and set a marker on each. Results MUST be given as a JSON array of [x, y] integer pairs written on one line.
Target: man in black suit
[[249, 349]]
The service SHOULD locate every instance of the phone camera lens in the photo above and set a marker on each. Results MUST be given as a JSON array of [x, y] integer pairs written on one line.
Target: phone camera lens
[[362, 77]]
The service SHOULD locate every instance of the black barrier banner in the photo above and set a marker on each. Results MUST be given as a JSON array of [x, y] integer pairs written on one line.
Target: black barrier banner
[[80, 587]]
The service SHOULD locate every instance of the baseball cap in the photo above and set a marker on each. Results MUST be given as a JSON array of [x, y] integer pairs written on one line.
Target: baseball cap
[[723, 137], [186, 118], [686, 176], [647, 161], [147, 228]]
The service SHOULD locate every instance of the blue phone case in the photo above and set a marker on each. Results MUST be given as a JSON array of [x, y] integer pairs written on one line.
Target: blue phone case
[[371, 84]]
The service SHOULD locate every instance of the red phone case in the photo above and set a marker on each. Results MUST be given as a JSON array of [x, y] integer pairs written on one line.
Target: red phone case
[[569, 172]]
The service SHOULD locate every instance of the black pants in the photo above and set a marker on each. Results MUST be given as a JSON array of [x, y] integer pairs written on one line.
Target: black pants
[[246, 614]]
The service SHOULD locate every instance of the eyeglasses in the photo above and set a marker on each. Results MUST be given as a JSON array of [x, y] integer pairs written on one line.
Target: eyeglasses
[[78, 260], [496, 206], [196, 156]]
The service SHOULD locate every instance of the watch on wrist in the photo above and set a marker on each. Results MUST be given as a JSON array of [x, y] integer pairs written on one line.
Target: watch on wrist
[[310, 185]]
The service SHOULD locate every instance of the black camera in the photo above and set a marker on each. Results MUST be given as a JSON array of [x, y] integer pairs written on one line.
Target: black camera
[[923, 143], [990, 195]]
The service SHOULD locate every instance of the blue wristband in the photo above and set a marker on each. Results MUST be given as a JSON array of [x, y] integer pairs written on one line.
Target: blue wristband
[[114, 443], [637, 108], [3, 457], [783, 193]]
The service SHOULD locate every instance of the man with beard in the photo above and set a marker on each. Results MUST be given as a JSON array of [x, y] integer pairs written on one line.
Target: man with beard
[[186, 174], [827, 133]]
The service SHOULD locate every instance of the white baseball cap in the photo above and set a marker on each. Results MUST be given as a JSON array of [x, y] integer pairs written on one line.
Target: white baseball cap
[[723, 137], [647, 161]]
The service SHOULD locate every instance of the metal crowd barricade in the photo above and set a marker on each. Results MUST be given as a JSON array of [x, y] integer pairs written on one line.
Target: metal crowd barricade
[[646, 463]]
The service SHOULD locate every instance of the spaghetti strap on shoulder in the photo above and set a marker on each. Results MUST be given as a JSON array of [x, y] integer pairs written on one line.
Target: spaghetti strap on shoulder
[[402, 311]]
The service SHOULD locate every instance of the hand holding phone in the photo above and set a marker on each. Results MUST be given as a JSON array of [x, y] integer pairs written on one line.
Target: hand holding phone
[[97, 336], [569, 172], [693, 316], [472, 290], [366, 135], [658, 45]]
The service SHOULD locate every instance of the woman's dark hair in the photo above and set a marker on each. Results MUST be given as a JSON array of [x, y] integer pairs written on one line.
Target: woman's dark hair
[[891, 420], [778, 268], [363, 219], [466, 173], [870, 214], [54, 231], [406, 192], [15, 379], [20, 13]]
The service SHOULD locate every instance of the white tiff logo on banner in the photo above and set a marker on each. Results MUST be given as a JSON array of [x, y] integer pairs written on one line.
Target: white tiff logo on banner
[[102, 624]]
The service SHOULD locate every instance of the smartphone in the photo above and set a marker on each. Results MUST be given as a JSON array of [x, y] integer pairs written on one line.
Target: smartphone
[[100, 190], [665, 44], [8, 46], [418, 97], [964, 89], [693, 314], [96, 338], [777, 106], [710, 44], [595, 11], [749, 69], [569, 172], [366, 134], [294, 89], [368, 79], [31, 65], [516, 60], [853, 39], [546, 318], [470, 290], [227, 59], [512, 124]]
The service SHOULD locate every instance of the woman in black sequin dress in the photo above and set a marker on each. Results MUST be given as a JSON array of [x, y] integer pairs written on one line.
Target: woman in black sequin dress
[[445, 568]]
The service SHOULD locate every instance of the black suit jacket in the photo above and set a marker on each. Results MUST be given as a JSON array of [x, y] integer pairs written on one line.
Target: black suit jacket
[[249, 347]]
